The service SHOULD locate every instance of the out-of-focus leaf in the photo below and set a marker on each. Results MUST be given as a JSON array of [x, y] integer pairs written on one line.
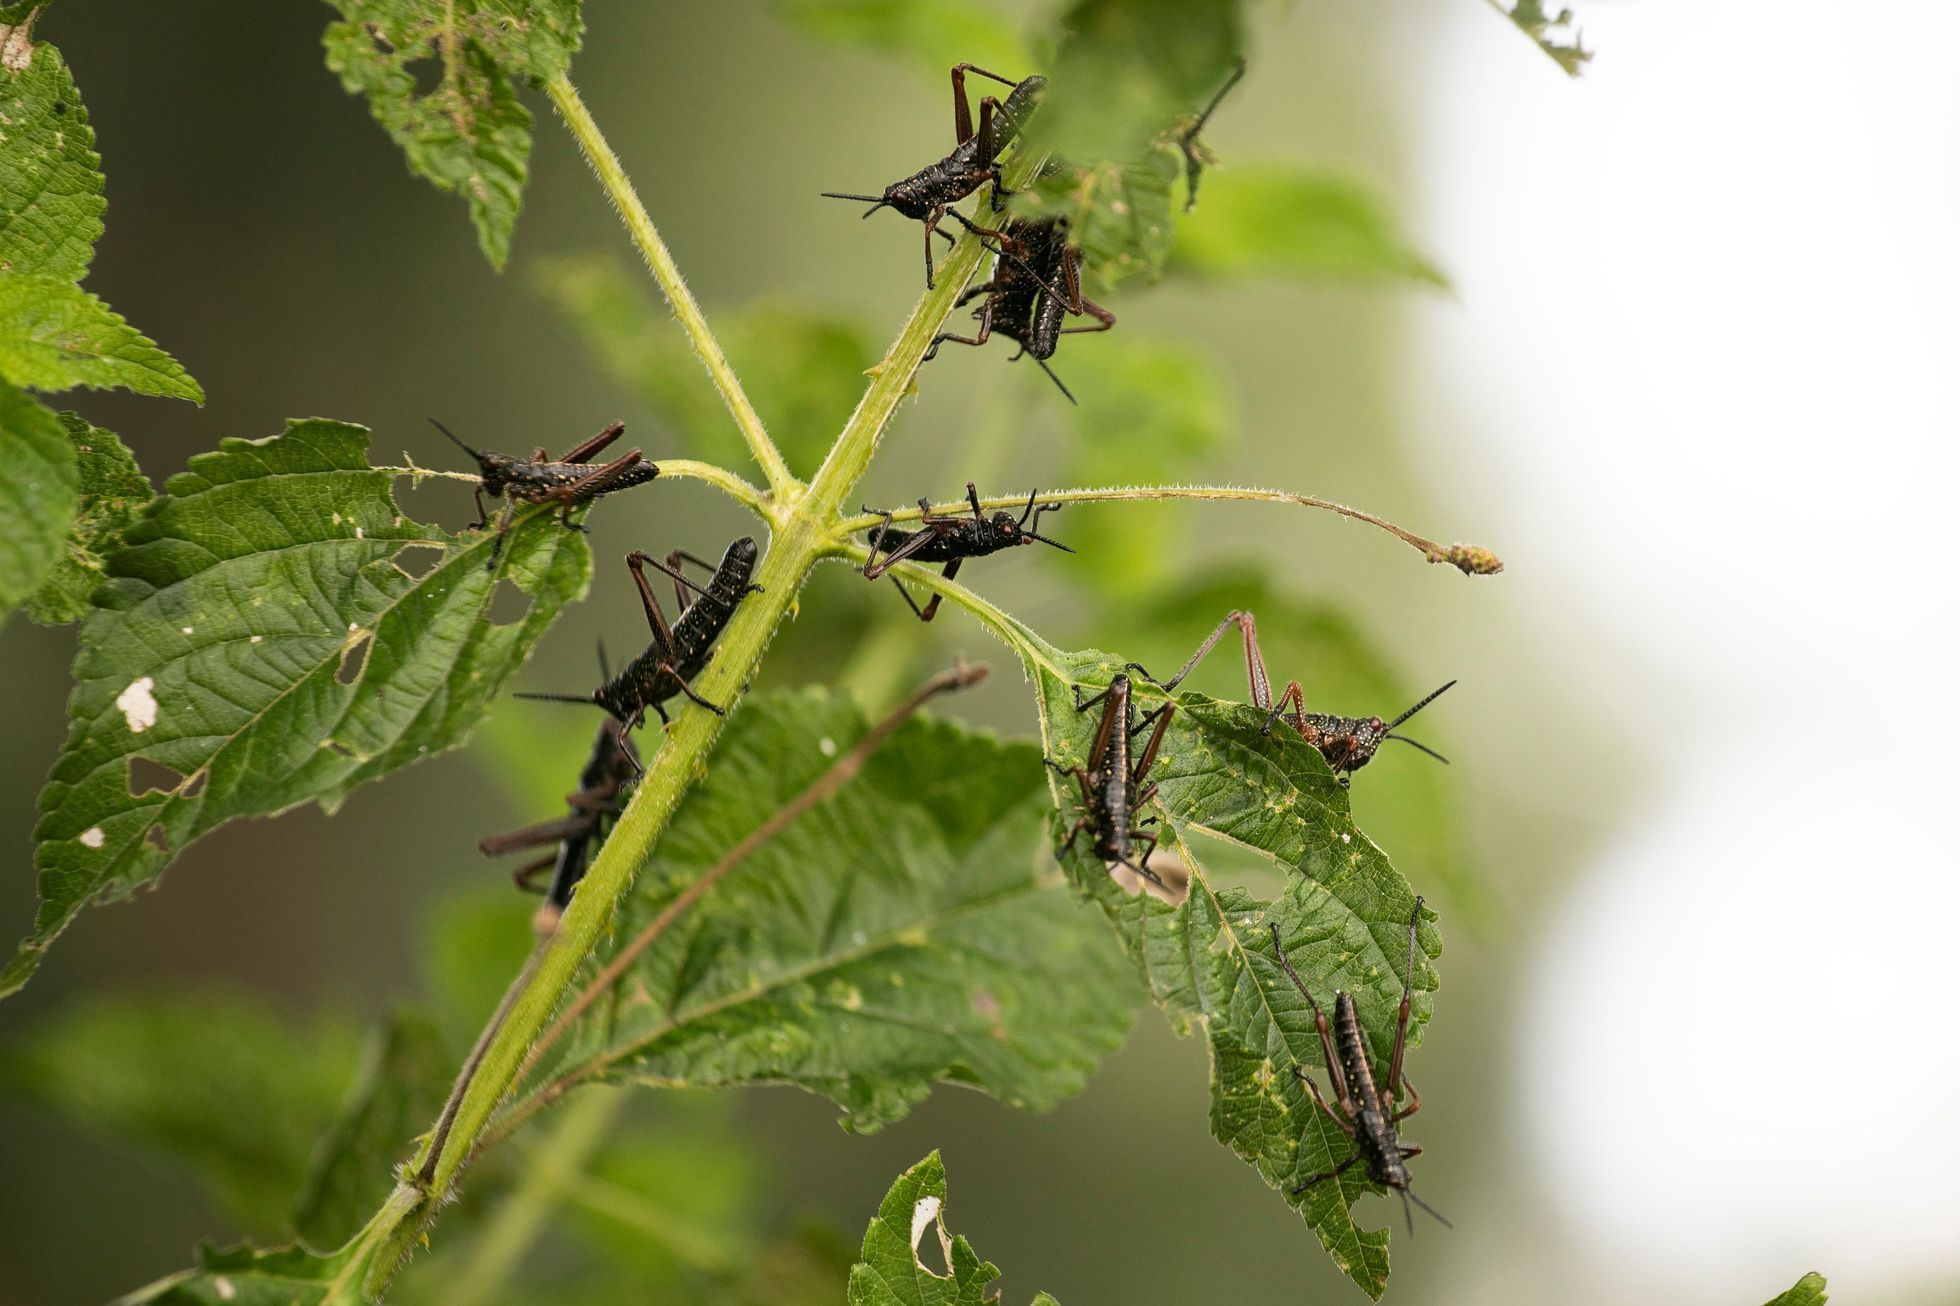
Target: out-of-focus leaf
[[111, 494], [473, 947], [903, 931], [258, 647], [889, 1271], [1556, 34], [1260, 221], [469, 134], [669, 1205], [1208, 959], [50, 175], [1808, 1291], [247, 1276], [223, 1086], [933, 35], [1126, 70], [803, 369], [55, 336], [398, 1089], [37, 496], [1405, 798], [1120, 212], [1147, 412]]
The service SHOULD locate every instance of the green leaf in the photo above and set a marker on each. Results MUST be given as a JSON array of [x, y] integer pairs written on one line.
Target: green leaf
[[112, 494], [1126, 70], [890, 1272], [932, 34], [37, 495], [1406, 799], [258, 647], [398, 1089], [1279, 219], [221, 1085], [470, 133], [1555, 34], [1121, 213], [803, 369], [55, 336], [1808, 1291], [1342, 912], [1169, 401], [907, 929], [50, 175], [247, 1276]]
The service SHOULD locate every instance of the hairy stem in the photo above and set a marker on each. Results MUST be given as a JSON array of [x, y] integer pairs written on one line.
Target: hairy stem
[[1470, 559], [565, 98]]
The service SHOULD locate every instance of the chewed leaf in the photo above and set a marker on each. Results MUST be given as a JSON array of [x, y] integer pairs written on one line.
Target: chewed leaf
[[111, 492], [906, 930], [50, 175], [1206, 952], [259, 646], [247, 1276], [37, 495], [470, 133], [1556, 33], [892, 1270], [1120, 212], [55, 336]]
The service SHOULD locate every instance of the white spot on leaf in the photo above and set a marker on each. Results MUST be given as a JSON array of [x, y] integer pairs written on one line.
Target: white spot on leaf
[[139, 705], [924, 1212], [190, 630], [827, 746], [92, 837], [224, 1287]]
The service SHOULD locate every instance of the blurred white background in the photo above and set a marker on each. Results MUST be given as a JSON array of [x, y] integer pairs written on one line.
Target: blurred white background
[[1701, 367]]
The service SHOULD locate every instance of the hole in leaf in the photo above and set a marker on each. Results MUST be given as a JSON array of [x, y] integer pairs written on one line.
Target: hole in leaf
[[196, 785], [508, 604], [427, 73], [418, 559], [353, 658], [149, 776], [925, 1219], [337, 748], [157, 839]]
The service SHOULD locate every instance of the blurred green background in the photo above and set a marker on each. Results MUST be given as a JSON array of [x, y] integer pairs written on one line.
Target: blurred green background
[[263, 229]]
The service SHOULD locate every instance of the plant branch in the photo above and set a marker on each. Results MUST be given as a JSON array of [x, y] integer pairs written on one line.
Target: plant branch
[[722, 479], [834, 777], [612, 176], [1470, 559]]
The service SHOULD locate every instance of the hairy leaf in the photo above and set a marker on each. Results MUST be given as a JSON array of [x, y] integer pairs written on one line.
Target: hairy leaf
[[1208, 959], [1406, 799], [221, 1085], [399, 1088], [890, 1271], [1120, 212], [905, 930], [111, 494], [932, 34], [247, 1276], [803, 369], [1282, 219], [1557, 34], [258, 647], [1808, 1291], [37, 495], [470, 133], [55, 336], [50, 179]]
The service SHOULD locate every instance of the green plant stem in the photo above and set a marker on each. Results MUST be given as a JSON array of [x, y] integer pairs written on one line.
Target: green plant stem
[[551, 1170], [565, 98], [805, 521]]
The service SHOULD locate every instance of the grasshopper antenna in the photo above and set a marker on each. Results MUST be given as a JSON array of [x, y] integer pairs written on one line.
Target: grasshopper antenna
[[605, 671], [1424, 747], [1037, 535], [875, 201], [1422, 703], [1408, 1195], [454, 440], [585, 701]]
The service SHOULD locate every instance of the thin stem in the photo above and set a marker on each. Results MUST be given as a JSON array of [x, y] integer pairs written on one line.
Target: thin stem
[[565, 98], [721, 478], [549, 1174], [1470, 559], [834, 777]]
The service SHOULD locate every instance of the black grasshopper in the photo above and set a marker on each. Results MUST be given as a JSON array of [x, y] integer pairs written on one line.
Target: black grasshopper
[[1367, 1112], [568, 482], [952, 540], [591, 809], [1036, 284], [677, 653], [929, 193], [1112, 786], [1347, 742]]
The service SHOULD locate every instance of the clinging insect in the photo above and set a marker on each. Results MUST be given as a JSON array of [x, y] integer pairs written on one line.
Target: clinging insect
[[566, 482], [953, 539]]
